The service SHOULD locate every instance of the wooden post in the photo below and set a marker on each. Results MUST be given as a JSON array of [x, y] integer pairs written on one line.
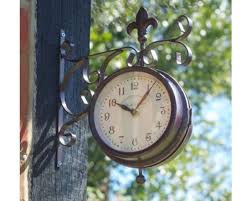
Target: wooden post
[[69, 182]]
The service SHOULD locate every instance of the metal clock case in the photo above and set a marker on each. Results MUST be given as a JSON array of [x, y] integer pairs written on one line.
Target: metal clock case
[[172, 139], [154, 145]]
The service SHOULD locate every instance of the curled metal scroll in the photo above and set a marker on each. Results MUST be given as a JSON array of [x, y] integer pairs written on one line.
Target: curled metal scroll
[[146, 56], [184, 31], [187, 56], [68, 138]]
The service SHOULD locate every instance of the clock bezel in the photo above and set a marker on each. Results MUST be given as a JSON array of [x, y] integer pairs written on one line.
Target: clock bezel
[[178, 143], [123, 154]]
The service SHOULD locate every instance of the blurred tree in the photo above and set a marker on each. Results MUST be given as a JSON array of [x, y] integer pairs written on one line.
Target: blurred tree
[[202, 171]]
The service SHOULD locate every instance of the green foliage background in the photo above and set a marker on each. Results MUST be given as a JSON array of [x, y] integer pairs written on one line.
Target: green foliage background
[[207, 77]]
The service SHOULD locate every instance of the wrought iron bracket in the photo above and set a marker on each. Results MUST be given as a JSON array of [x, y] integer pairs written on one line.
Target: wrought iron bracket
[[146, 56]]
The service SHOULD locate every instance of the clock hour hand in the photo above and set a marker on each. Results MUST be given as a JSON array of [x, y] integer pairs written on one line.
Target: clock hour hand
[[124, 107]]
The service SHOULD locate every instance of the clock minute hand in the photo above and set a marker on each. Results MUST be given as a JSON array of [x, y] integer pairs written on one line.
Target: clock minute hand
[[124, 107], [144, 97]]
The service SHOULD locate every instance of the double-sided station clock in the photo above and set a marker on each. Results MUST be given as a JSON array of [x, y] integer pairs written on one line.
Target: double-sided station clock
[[139, 115]]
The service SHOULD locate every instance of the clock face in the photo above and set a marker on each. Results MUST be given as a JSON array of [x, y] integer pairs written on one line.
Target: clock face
[[132, 111]]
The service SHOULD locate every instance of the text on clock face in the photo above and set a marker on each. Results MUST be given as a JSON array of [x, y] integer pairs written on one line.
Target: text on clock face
[[132, 111]]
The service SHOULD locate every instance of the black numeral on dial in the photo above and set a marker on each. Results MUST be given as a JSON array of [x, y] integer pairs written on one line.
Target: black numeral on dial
[[111, 129], [148, 86], [112, 102], [159, 125], [158, 96], [107, 116], [134, 85], [121, 91], [121, 138], [134, 141], [148, 136], [163, 111]]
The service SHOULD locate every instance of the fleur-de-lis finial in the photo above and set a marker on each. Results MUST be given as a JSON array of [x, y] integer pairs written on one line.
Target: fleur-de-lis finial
[[141, 24]]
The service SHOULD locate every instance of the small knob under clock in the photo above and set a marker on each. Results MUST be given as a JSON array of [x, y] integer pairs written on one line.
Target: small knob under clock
[[140, 179]]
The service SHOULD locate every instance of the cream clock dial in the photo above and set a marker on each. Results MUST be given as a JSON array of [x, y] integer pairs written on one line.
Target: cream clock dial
[[140, 117], [132, 111]]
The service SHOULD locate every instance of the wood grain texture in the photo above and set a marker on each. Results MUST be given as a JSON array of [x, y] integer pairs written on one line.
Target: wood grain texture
[[69, 182]]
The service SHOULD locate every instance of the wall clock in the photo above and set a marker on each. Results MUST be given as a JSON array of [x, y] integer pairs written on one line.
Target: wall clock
[[139, 115]]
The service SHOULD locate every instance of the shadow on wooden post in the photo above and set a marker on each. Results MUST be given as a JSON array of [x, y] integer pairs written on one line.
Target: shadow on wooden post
[[46, 182]]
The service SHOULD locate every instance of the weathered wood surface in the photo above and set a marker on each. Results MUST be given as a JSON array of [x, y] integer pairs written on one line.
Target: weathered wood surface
[[69, 182]]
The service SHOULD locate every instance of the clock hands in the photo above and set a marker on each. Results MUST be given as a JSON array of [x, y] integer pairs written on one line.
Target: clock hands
[[134, 111], [126, 108], [143, 98]]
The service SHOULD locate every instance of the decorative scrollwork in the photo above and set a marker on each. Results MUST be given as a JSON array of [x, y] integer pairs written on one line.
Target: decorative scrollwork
[[68, 138], [184, 25], [146, 56], [180, 57]]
